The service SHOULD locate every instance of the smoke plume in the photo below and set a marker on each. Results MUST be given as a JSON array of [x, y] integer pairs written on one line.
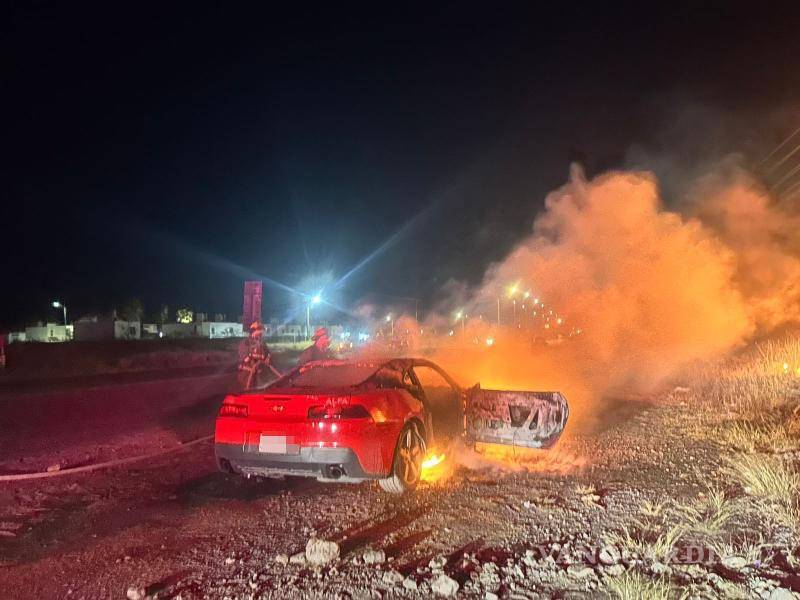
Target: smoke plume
[[648, 289]]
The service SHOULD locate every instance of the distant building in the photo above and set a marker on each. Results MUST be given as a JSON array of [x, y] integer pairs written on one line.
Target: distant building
[[282, 332], [16, 336], [206, 329], [48, 332], [178, 330], [149, 330], [94, 328], [215, 330]]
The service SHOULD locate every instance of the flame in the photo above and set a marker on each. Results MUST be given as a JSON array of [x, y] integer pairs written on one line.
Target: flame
[[434, 468], [554, 460], [432, 460]]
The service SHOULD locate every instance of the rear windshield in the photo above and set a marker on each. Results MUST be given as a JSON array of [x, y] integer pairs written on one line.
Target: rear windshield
[[328, 374]]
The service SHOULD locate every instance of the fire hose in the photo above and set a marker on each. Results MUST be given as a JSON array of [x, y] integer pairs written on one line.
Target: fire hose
[[102, 465]]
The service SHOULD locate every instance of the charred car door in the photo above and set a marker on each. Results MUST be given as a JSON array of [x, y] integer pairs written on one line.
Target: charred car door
[[518, 418]]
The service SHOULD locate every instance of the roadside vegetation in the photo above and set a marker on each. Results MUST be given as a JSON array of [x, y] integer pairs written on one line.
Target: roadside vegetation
[[748, 519]]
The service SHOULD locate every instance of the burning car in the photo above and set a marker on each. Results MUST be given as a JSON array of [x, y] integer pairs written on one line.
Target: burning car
[[355, 420]]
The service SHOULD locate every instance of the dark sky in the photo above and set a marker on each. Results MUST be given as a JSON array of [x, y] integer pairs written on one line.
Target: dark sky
[[167, 153]]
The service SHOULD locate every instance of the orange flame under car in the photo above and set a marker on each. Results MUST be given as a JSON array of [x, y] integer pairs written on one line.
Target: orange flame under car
[[433, 468]]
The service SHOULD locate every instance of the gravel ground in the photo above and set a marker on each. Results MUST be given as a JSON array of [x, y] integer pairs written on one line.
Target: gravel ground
[[178, 528]]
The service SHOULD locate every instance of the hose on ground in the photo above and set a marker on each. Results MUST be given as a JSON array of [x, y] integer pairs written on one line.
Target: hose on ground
[[103, 465]]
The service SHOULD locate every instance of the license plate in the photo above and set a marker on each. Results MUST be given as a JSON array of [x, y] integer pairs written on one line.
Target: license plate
[[272, 444]]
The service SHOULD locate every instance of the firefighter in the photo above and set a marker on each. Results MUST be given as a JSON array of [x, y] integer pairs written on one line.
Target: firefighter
[[255, 358], [319, 350]]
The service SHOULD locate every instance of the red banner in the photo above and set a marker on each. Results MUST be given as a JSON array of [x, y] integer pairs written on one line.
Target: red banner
[[251, 311]]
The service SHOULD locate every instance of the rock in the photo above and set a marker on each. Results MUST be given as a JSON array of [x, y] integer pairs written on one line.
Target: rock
[[321, 552], [734, 563], [298, 559], [579, 572], [491, 596], [134, 593], [781, 594], [444, 586], [614, 570], [658, 568], [609, 555], [392, 577], [52, 468], [282, 559], [409, 584], [373, 557]]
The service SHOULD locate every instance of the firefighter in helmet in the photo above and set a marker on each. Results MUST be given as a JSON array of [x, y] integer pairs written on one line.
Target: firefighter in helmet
[[319, 350], [256, 360]]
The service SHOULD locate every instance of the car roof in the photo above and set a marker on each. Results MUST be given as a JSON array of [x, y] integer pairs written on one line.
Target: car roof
[[379, 362], [404, 362]]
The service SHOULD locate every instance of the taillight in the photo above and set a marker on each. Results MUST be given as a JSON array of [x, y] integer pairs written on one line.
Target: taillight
[[233, 410], [350, 411]]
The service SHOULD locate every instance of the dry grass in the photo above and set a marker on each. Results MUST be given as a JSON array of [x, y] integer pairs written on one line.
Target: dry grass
[[652, 510], [706, 518], [764, 476], [754, 550], [588, 495], [635, 586], [780, 357], [645, 543], [751, 385], [771, 480], [776, 437]]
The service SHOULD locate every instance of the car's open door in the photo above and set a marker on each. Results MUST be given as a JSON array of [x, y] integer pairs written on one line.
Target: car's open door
[[526, 419]]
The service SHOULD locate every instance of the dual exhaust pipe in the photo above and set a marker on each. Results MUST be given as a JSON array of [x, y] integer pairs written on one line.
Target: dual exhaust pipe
[[334, 472]]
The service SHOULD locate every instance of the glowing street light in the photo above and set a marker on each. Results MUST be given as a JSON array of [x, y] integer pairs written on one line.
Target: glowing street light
[[460, 316], [389, 319], [57, 304], [314, 300]]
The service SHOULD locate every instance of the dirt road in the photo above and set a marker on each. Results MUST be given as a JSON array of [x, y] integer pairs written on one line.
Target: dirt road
[[106, 419], [175, 527]]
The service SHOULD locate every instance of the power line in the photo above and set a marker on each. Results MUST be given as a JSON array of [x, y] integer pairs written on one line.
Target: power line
[[792, 187], [786, 177], [779, 146], [784, 159]]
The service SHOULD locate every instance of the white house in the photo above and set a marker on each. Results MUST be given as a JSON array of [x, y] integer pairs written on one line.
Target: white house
[[48, 332]]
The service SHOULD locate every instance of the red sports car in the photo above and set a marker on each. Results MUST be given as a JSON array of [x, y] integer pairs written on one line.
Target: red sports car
[[371, 419]]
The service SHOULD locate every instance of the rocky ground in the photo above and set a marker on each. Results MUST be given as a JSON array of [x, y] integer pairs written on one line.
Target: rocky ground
[[623, 510]]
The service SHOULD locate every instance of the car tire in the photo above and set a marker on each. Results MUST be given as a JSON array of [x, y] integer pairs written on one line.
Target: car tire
[[407, 462]]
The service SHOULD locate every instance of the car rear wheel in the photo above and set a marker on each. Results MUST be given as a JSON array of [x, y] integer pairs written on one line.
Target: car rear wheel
[[407, 464]]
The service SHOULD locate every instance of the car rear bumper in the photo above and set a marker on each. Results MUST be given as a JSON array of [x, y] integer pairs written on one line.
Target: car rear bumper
[[325, 464]]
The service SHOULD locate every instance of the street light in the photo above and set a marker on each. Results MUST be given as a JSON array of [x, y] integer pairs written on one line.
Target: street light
[[315, 299], [57, 304], [460, 317], [390, 320]]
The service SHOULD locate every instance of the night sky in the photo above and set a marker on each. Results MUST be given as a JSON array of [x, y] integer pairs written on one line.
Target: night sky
[[168, 154]]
